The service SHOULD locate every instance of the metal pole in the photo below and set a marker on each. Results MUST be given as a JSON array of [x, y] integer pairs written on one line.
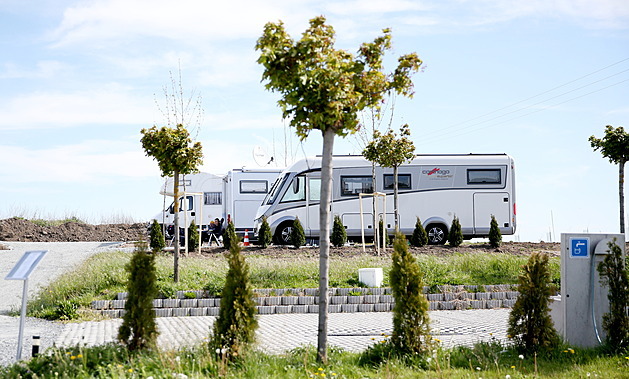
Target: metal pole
[[362, 224], [18, 357]]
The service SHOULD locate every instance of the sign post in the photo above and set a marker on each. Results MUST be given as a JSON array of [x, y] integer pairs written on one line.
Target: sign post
[[21, 271]]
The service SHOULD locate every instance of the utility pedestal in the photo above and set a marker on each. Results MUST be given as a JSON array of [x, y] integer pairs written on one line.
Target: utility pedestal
[[578, 316]]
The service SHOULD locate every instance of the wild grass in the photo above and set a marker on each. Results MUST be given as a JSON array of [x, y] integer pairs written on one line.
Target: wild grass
[[486, 360]]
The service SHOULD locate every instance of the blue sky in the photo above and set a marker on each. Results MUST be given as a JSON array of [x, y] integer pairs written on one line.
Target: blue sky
[[80, 79]]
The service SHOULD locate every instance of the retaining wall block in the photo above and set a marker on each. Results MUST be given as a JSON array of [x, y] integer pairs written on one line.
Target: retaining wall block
[[349, 308], [290, 300], [377, 291], [435, 297], [372, 299], [381, 307], [213, 311], [282, 309], [181, 312], [483, 296], [365, 307], [163, 312], [433, 305], [122, 295], [311, 291], [300, 309], [306, 300], [118, 304], [508, 303], [338, 299], [355, 299], [334, 308], [263, 291], [170, 303], [386, 299], [490, 288], [272, 300], [512, 294], [498, 295], [449, 296], [101, 304], [198, 311], [494, 304], [188, 303], [471, 287], [467, 296], [205, 303], [343, 291], [111, 313], [266, 310], [477, 304], [313, 308], [279, 291], [446, 305], [461, 304]]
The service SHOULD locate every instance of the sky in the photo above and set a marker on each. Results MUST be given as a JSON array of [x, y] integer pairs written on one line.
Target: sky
[[79, 80]]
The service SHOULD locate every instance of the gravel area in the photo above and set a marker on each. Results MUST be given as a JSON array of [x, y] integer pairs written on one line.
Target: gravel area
[[61, 257]]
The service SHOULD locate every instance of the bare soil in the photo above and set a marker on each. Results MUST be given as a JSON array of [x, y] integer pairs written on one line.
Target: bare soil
[[18, 229]]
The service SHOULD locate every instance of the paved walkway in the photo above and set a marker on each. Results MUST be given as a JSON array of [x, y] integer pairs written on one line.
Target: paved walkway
[[280, 333]]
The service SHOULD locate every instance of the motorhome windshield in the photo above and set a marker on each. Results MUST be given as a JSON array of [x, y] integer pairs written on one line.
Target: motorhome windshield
[[270, 198]]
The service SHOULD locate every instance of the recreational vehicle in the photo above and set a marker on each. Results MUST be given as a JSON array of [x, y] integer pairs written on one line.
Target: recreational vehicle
[[435, 188], [205, 197]]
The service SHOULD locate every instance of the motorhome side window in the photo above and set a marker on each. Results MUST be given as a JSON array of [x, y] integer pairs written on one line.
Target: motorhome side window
[[353, 185], [483, 176], [212, 198], [296, 191], [403, 181], [315, 189], [188, 206], [254, 186]]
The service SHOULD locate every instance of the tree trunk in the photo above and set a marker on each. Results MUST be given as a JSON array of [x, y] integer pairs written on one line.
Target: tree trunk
[[395, 210], [621, 194], [324, 242], [373, 208], [176, 222]]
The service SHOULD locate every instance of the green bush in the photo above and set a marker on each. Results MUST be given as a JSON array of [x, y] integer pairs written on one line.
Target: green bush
[[530, 324], [419, 237], [613, 272], [495, 237], [234, 329], [411, 325], [264, 234], [156, 236], [297, 235], [139, 329], [193, 237], [339, 234], [455, 237]]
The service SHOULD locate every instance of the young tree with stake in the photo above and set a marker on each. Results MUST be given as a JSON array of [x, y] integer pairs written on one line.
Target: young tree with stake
[[324, 88]]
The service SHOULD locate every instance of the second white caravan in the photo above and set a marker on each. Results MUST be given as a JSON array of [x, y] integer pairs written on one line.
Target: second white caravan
[[435, 188]]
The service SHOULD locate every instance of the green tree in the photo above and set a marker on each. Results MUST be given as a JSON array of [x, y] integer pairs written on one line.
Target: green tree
[[615, 147], [193, 236], [297, 235], [613, 272], [411, 324], [495, 237], [455, 237], [264, 234], [230, 236], [530, 324], [234, 329], [339, 234], [176, 155], [156, 237], [139, 329], [419, 237], [388, 150], [324, 88]]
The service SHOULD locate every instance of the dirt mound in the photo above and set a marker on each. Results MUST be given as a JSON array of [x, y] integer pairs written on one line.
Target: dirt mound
[[18, 229]]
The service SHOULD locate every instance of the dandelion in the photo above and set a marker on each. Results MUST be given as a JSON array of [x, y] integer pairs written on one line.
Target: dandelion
[[130, 370], [513, 367], [80, 356], [73, 357], [571, 351]]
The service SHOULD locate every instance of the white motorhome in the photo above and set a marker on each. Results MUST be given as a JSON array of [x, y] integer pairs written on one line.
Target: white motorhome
[[434, 188], [235, 196]]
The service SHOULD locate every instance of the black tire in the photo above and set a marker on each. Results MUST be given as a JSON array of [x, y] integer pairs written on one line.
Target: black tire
[[437, 234], [282, 233]]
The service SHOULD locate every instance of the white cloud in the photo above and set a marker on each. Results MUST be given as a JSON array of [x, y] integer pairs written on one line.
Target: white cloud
[[112, 105]]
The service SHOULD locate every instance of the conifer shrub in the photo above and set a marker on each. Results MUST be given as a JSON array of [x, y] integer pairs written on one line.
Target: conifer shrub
[[411, 329], [419, 237], [339, 234], [139, 329], [384, 233], [156, 237], [229, 235], [495, 237], [297, 235], [613, 272], [233, 331], [193, 236], [530, 324], [264, 234], [455, 237]]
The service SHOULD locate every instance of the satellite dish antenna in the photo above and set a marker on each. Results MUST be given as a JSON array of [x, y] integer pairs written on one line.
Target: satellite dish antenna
[[261, 157]]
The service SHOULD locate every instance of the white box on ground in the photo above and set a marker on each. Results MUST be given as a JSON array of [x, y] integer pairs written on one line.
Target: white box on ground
[[372, 277]]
